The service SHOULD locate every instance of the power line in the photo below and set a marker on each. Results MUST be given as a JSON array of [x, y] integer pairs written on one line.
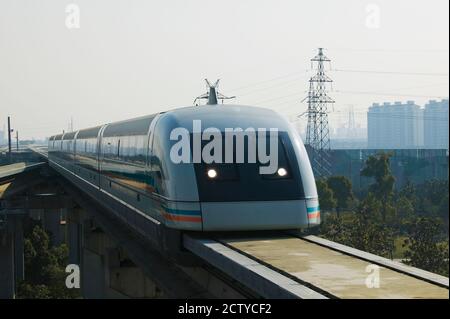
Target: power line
[[282, 84], [279, 97], [389, 94], [390, 72], [268, 80], [355, 92], [402, 51]]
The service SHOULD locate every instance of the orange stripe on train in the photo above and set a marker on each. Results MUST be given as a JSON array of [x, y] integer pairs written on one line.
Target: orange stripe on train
[[314, 215], [178, 218]]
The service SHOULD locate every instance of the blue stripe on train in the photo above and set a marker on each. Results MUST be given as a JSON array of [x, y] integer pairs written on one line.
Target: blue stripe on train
[[312, 209], [182, 212]]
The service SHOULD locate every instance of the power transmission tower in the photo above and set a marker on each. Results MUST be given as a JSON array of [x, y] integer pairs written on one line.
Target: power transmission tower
[[351, 126], [212, 95], [318, 132], [312, 116]]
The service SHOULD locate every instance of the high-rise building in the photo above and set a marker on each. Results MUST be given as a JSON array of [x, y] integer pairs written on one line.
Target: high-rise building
[[395, 126], [436, 124]]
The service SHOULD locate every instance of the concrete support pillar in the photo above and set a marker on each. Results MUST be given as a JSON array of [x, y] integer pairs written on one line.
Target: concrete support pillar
[[92, 262], [74, 235], [106, 270], [52, 224], [7, 286], [93, 277], [131, 282], [125, 279], [18, 250]]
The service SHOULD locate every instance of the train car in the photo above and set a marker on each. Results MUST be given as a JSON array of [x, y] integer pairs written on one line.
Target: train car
[[130, 162]]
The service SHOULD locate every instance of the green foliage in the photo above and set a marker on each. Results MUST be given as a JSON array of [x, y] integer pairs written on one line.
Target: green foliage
[[416, 216], [425, 248], [335, 229], [432, 199], [29, 291], [378, 167], [433, 190], [366, 235], [342, 191], [408, 191], [363, 230], [404, 211], [327, 200], [44, 268], [371, 233], [443, 208]]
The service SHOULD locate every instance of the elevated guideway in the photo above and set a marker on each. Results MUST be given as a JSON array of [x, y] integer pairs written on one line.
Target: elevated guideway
[[312, 267], [11, 170], [284, 265]]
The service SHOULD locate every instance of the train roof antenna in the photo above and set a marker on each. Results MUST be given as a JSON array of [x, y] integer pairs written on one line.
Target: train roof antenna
[[212, 95]]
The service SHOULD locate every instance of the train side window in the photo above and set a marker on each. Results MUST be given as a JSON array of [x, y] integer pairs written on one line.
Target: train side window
[[108, 150], [140, 149], [132, 148], [124, 148]]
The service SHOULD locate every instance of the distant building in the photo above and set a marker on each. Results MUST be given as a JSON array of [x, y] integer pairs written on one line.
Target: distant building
[[395, 126], [2, 137], [436, 125]]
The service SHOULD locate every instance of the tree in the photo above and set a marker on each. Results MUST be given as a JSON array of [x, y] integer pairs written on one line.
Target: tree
[[342, 191], [426, 246], [44, 268], [372, 236], [432, 199], [443, 210], [326, 197], [434, 190], [404, 211], [408, 191], [363, 230], [378, 167], [335, 229]]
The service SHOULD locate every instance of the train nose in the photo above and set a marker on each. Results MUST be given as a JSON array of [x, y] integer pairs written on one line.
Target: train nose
[[254, 215]]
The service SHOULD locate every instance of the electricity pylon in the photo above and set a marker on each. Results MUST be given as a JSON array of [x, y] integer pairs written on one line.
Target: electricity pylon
[[317, 131]]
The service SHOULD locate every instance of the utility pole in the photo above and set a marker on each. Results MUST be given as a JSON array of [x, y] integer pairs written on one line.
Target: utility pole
[[71, 125], [17, 140], [9, 135], [317, 132]]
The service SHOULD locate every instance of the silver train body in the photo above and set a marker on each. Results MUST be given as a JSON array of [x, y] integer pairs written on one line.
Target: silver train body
[[129, 161]]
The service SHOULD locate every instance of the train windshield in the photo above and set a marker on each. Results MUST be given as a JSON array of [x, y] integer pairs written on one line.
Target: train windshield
[[234, 176]]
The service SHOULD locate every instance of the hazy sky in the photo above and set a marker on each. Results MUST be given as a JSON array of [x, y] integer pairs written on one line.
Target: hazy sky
[[135, 57]]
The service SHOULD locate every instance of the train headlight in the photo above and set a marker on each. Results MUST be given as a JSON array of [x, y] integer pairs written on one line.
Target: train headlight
[[212, 173], [282, 172]]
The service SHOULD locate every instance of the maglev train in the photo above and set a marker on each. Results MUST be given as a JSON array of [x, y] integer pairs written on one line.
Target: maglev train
[[130, 162]]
